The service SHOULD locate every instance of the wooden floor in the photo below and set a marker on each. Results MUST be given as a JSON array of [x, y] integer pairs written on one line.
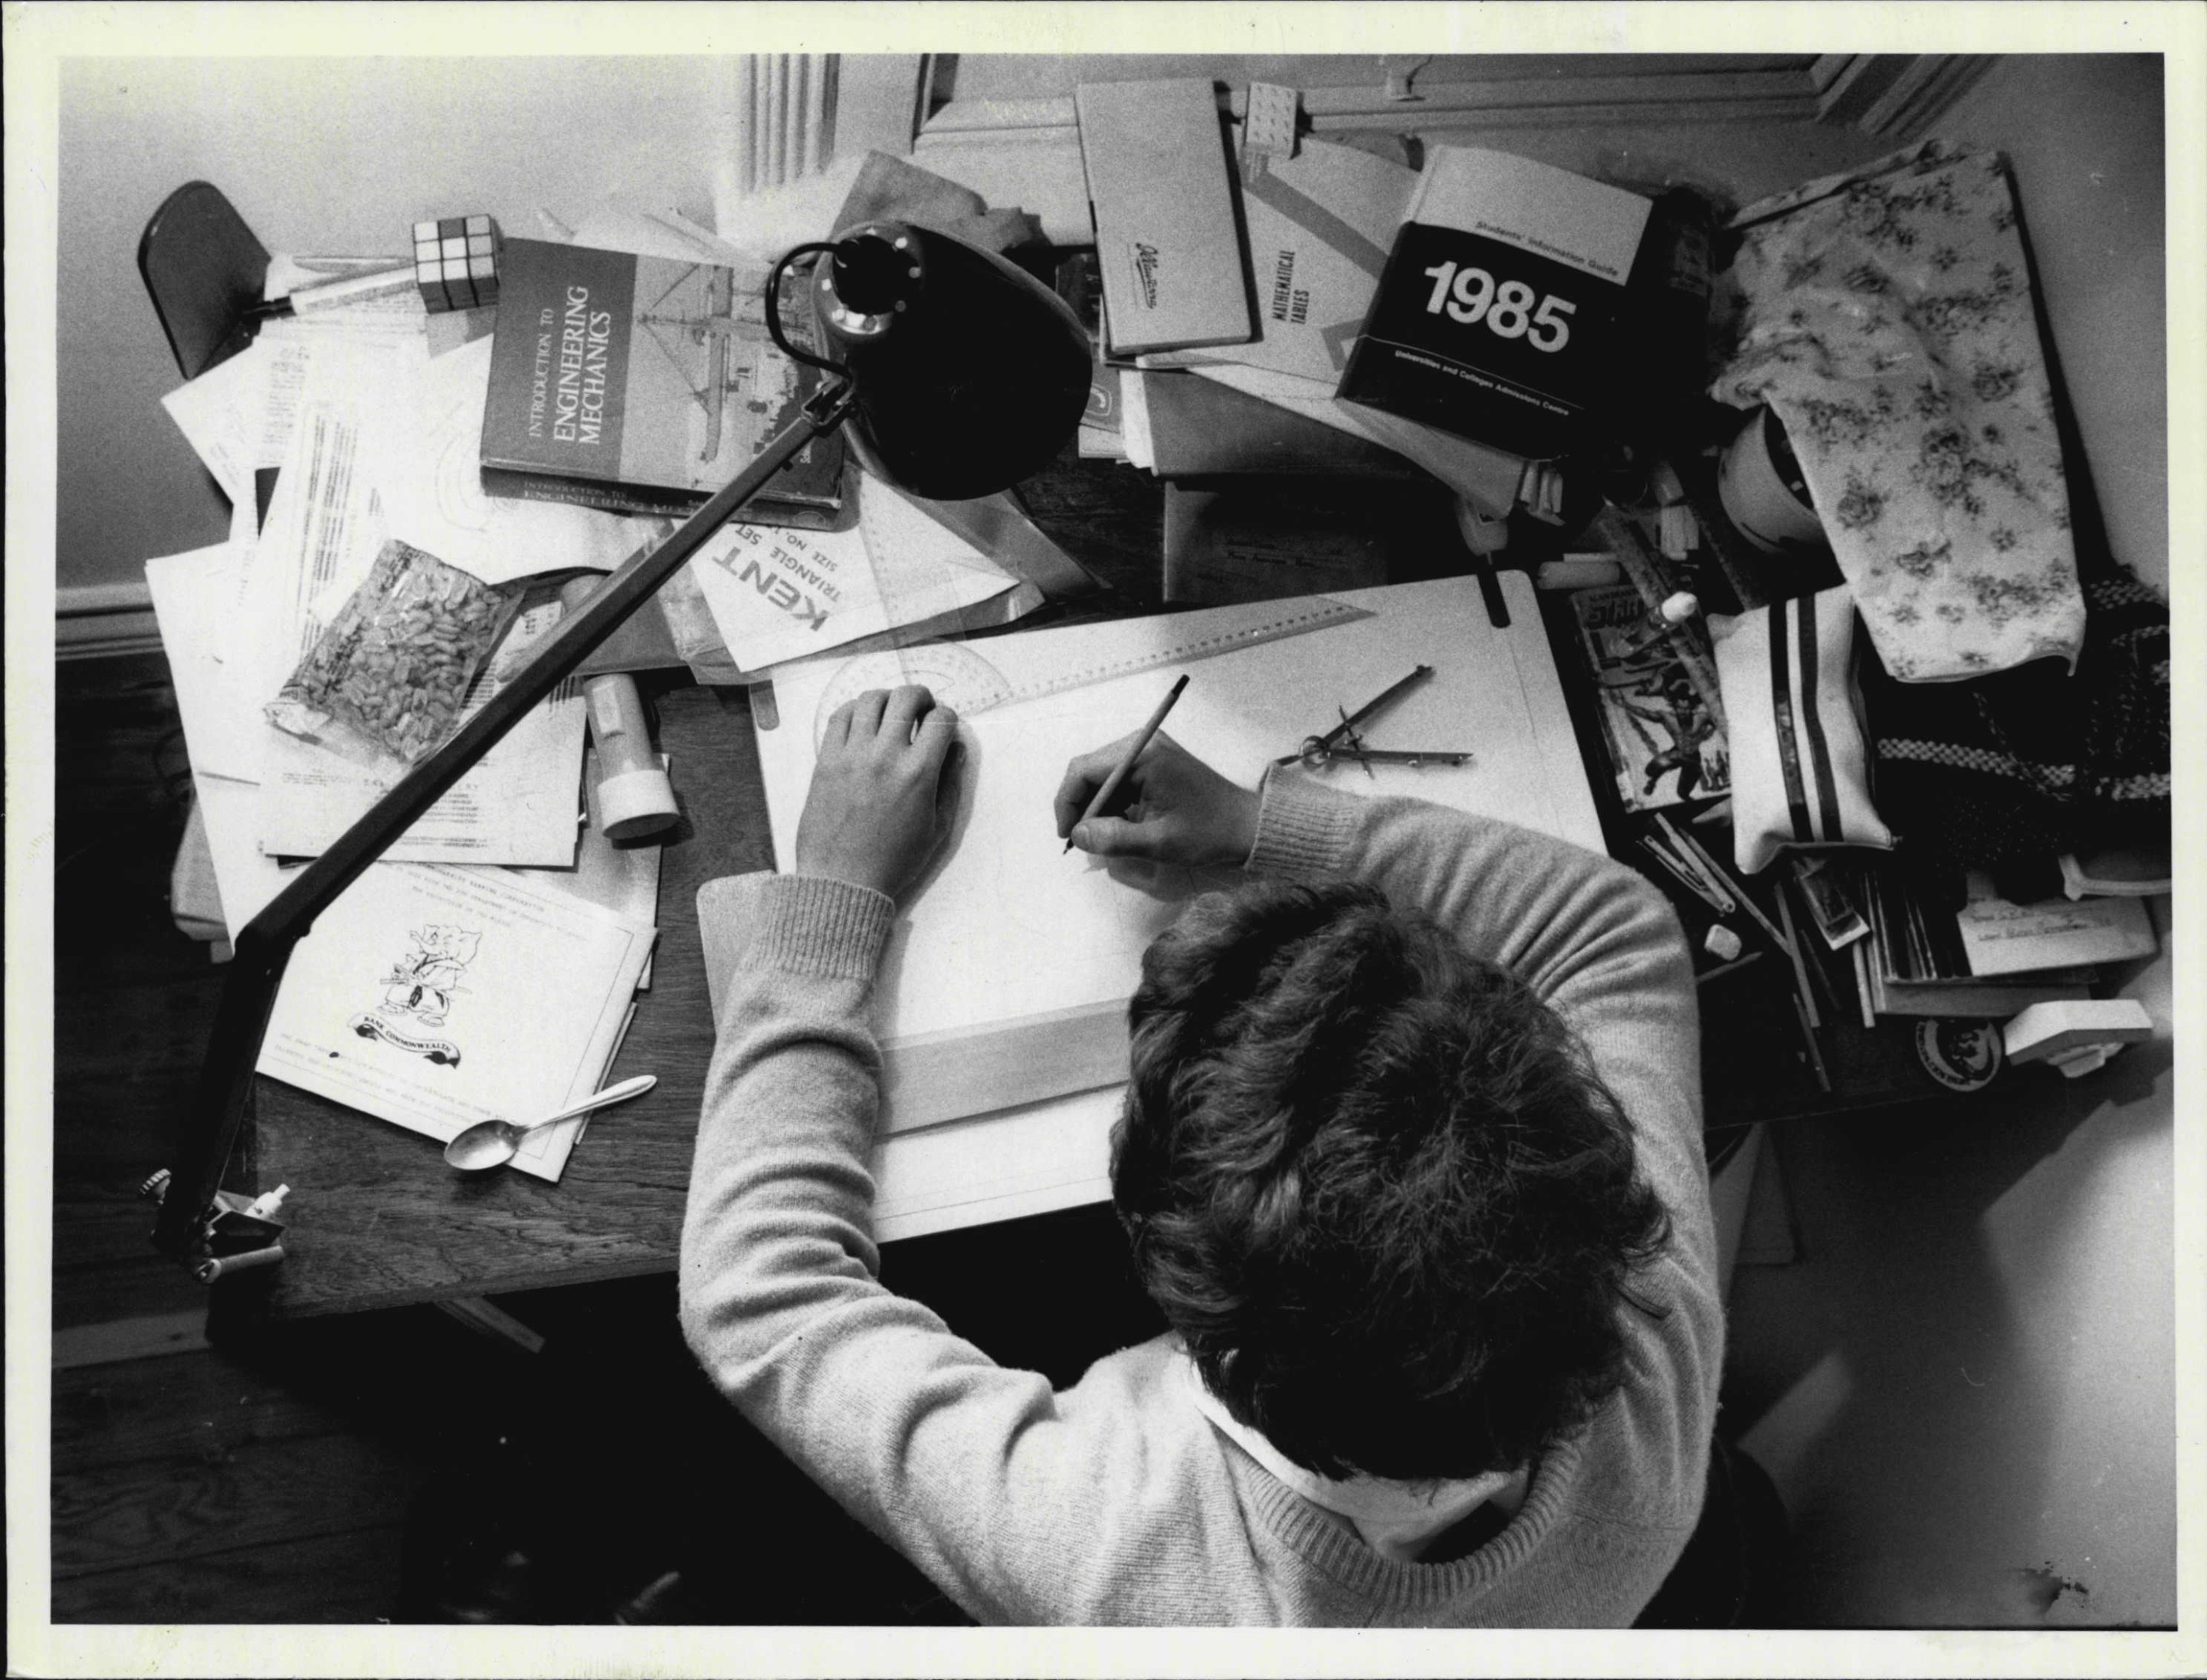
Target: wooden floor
[[192, 1486]]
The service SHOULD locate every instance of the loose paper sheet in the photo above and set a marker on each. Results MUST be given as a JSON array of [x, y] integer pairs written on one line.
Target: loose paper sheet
[[239, 415], [436, 997], [325, 527], [424, 453], [1009, 927], [2001, 936], [620, 223], [520, 804], [624, 879], [190, 594], [325, 523], [218, 414]]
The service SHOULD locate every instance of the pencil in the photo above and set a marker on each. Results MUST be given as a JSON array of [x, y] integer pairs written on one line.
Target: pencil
[[1702, 979], [1808, 1038], [1793, 950], [1127, 764]]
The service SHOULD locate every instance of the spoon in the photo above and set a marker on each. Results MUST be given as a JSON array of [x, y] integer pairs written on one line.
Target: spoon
[[491, 1143]]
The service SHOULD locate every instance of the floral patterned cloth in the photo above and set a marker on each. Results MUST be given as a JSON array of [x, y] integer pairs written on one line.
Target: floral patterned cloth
[[1889, 323]]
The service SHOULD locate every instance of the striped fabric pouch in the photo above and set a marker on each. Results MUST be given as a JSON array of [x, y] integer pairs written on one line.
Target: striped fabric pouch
[[1799, 770]]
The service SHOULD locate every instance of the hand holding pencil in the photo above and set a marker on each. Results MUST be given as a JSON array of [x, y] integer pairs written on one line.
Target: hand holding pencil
[[1145, 796]]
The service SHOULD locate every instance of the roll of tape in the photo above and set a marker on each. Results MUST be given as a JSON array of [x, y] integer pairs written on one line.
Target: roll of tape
[[1768, 512]]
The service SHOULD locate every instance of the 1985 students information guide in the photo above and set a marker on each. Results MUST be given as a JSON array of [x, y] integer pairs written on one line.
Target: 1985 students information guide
[[1498, 315]]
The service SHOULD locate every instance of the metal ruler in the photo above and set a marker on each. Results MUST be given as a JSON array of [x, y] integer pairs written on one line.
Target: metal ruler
[[963, 676]]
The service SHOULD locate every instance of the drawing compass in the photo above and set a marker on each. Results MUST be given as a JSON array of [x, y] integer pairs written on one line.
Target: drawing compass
[[1343, 741]]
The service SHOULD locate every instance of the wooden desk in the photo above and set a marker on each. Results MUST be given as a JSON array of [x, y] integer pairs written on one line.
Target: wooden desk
[[379, 1220]]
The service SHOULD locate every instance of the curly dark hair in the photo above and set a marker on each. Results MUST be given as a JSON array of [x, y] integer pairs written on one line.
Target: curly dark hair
[[1376, 1186]]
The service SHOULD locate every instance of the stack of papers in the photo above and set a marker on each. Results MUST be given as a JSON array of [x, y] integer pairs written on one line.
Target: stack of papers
[[429, 996], [433, 996]]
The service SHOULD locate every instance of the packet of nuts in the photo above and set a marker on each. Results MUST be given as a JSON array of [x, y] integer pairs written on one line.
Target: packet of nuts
[[395, 664]]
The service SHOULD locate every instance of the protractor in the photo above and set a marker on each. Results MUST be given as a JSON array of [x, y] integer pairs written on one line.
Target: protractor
[[958, 677]]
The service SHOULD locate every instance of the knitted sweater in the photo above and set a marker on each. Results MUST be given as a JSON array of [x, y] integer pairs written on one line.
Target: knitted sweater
[[1114, 1501]]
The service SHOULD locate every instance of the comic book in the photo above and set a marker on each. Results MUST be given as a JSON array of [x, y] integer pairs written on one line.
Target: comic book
[[1665, 744]]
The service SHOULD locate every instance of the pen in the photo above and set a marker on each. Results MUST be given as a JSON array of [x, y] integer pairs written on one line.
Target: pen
[[333, 294], [1111, 782]]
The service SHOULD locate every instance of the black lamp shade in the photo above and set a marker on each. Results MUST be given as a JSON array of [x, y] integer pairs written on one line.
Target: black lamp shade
[[970, 374]]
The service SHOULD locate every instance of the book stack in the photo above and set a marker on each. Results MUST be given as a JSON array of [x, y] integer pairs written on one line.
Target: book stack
[[1224, 384], [1934, 944]]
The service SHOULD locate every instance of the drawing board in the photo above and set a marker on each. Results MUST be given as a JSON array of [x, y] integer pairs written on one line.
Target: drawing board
[[1004, 987]]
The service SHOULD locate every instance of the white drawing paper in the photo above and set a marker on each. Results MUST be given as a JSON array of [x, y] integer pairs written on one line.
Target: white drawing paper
[[1009, 927]]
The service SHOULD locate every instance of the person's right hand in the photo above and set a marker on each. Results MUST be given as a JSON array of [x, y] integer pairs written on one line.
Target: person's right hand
[[1172, 808]]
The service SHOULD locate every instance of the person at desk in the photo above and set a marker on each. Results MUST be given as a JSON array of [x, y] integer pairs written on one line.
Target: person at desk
[[1410, 1160]]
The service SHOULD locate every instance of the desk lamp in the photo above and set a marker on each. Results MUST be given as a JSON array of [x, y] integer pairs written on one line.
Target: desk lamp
[[958, 374]]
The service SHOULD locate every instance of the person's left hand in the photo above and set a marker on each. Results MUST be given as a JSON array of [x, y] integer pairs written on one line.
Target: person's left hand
[[883, 789]]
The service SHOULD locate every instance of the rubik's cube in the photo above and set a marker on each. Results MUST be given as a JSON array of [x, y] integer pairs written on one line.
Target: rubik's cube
[[455, 262]]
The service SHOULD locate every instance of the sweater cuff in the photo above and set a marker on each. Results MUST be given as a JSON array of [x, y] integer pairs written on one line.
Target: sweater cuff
[[806, 925], [1303, 829]]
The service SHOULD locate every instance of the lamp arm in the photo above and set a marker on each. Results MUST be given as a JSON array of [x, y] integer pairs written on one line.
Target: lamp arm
[[264, 945]]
